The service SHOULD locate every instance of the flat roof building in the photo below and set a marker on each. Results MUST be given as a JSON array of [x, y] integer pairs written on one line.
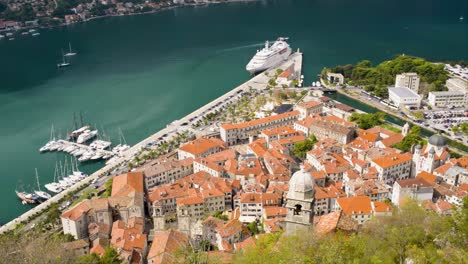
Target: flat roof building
[[448, 99], [402, 97]]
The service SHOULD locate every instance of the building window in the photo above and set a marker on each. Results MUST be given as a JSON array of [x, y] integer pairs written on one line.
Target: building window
[[297, 209]]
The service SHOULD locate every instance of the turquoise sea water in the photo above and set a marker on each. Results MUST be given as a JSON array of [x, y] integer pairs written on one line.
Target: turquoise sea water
[[141, 72]]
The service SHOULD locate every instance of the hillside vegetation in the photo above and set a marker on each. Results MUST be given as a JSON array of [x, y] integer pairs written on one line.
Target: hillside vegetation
[[377, 79], [412, 233]]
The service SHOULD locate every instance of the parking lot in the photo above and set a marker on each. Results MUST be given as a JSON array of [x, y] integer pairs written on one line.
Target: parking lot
[[443, 121]]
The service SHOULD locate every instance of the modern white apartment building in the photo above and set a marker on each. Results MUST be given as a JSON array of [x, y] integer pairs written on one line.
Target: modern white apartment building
[[408, 80], [448, 99], [402, 97]]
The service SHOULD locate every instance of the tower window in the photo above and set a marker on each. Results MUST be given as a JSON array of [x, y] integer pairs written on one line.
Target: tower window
[[297, 209]]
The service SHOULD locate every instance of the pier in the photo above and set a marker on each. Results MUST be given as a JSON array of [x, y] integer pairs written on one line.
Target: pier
[[258, 82], [67, 144]]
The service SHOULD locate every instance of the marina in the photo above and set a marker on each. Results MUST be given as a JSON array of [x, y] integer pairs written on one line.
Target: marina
[[164, 83]]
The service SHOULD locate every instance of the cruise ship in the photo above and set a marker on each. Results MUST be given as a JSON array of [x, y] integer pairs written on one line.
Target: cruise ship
[[269, 56]]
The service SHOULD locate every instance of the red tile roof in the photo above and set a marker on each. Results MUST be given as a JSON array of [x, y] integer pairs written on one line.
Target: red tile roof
[[392, 160], [202, 145], [165, 244], [355, 205], [260, 121], [126, 183]]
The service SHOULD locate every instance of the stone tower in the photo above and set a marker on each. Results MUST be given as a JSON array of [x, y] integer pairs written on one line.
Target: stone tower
[[159, 220], [299, 203]]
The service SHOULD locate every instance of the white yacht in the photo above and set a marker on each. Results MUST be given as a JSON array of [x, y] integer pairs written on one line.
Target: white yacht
[[97, 156], [85, 136], [100, 144], [269, 56]]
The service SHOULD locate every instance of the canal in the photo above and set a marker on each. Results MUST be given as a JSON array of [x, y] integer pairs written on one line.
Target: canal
[[370, 109]]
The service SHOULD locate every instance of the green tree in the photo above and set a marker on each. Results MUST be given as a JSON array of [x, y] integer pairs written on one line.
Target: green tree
[[413, 138], [220, 215], [418, 114], [455, 129], [89, 259], [300, 149], [464, 127], [108, 191], [366, 121], [110, 256], [253, 228]]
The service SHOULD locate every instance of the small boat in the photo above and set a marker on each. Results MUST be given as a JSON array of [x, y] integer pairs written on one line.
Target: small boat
[[100, 144], [85, 136], [32, 30], [35, 34], [64, 63], [27, 198], [70, 52], [1, 36], [97, 156], [25, 33], [76, 133], [40, 193], [9, 34], [11, 39]]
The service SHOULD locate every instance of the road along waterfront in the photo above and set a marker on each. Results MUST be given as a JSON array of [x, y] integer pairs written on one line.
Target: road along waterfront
[[258, 82]]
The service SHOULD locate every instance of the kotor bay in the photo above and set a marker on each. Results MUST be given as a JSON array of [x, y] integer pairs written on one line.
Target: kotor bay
[[138, 73]]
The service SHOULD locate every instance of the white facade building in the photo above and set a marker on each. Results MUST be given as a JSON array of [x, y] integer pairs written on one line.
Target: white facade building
[[414, 188], [448, 99], [408, 80], [402, 97]]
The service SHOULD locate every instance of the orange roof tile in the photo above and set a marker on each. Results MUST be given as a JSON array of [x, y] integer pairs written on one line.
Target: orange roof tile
[[281, 131], [132, 180], [327, 223], [406, 183], [310, 104], [392, 159], [202, 145], [275, 211], [165, 244], [355, 205], [382, 207], [260, 121], [428, 177]]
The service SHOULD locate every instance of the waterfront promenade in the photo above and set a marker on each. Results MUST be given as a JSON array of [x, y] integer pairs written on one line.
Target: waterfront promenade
[[258, 82]]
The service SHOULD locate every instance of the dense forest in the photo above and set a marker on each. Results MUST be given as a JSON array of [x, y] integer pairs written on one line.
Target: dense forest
[[377, 79], [411, 235]]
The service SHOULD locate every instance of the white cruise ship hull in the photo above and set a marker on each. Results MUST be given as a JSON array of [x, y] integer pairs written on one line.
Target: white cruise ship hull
[[269, 56], [269, 64]]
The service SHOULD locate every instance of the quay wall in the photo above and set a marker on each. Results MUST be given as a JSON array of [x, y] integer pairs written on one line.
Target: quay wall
[[257, 82]]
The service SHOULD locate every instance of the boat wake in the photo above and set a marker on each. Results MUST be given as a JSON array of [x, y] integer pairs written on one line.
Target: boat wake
[[241, 47]]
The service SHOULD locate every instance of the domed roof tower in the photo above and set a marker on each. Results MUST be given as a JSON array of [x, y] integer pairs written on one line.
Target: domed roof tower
[[299, 202]]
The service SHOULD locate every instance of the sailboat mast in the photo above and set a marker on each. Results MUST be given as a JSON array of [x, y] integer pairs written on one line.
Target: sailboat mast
[[81, 119], [37, 179]]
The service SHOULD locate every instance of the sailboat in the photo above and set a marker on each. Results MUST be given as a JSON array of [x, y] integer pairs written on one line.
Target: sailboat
[[27, 198], [64, 63], [51, 142], [70, 52], [54, 186], [40, 193]]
